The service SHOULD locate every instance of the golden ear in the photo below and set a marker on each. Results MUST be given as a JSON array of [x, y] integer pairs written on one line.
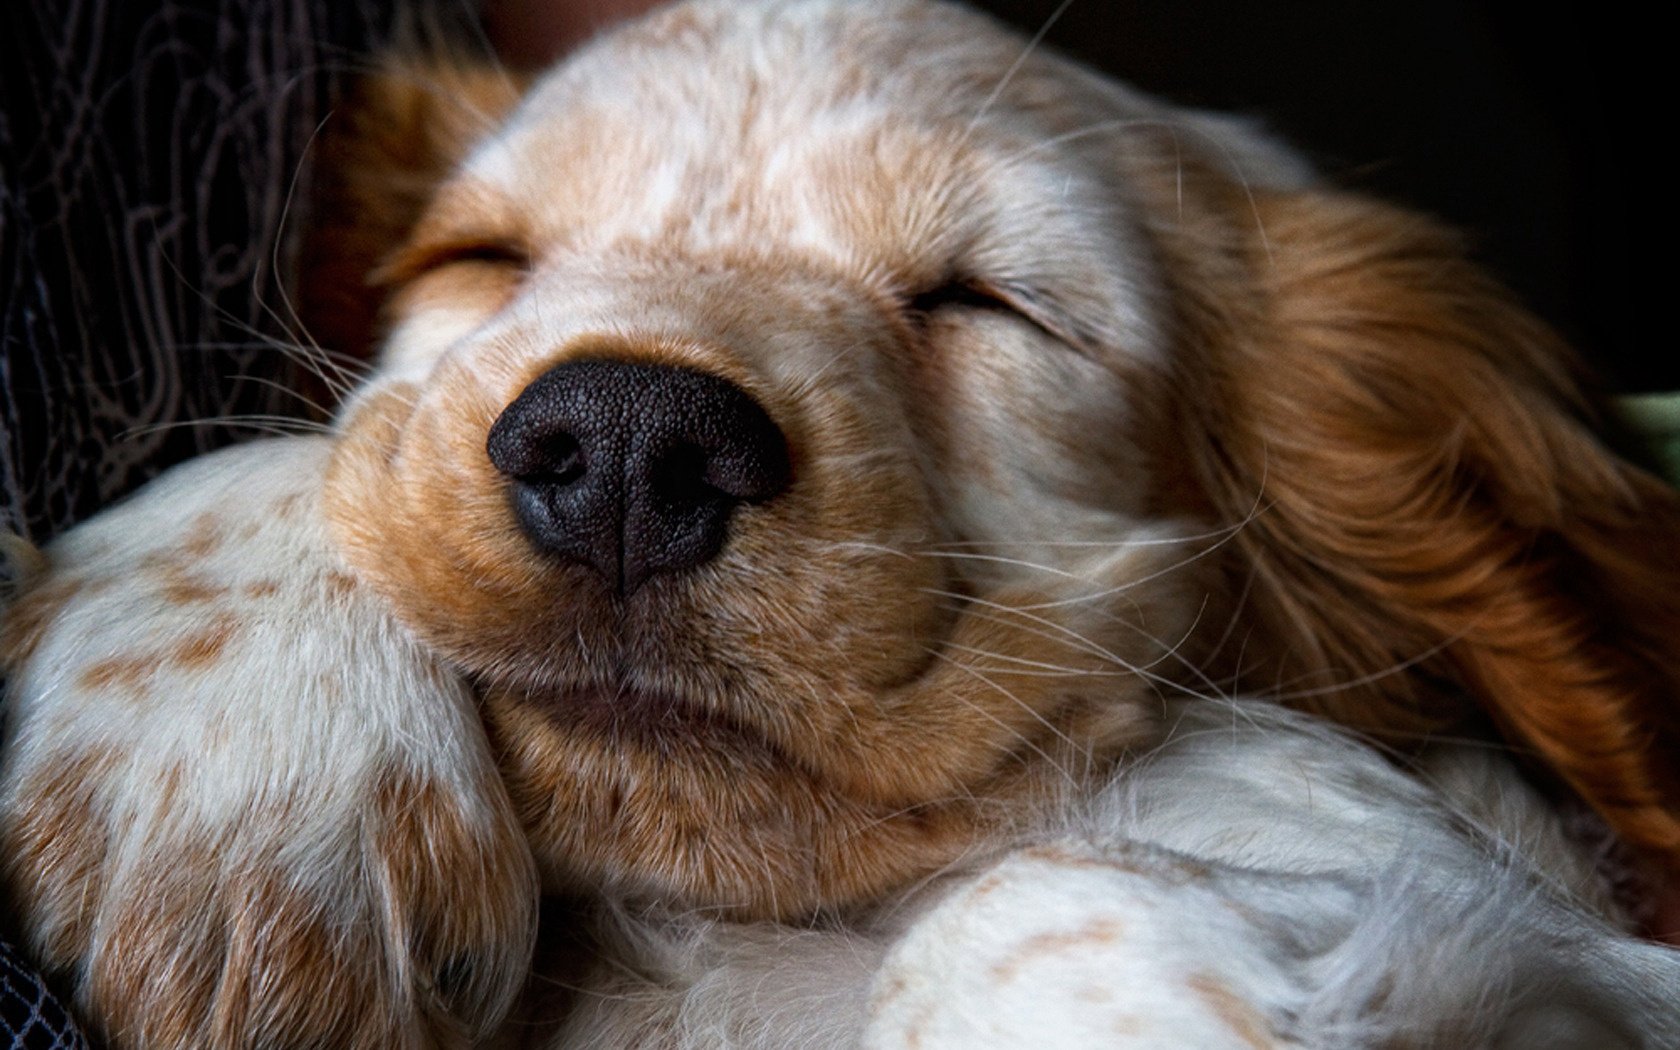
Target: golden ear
[[385, 149], [1437, 522]]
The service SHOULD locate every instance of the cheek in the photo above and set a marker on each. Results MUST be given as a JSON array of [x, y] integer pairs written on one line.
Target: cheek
[[1028, 440], [418, 510], [439, 312]]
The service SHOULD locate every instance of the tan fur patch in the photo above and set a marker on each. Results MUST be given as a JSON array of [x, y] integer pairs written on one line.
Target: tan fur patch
[[204, 647], [1050, 944], [187, 589], [24, 624], [53, 846], [127, 673], [1244, 1021]]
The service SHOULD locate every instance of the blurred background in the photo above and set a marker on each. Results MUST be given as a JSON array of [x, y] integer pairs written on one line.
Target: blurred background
[[1488, 114]]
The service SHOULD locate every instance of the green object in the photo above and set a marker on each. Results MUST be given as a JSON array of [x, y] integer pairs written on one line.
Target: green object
[[1655, 418]]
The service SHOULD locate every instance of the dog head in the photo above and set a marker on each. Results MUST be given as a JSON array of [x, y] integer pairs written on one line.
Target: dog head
[[817, 428]]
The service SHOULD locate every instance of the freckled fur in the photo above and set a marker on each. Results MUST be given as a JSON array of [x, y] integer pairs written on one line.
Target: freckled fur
[[948, 749]]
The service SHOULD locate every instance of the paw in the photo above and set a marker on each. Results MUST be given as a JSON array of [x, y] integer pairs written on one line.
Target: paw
[[1074, 946], [239, 806]]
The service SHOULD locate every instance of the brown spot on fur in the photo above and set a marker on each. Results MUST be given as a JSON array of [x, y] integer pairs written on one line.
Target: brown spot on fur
[[53, 846], [133, 671], [1239, 1015], [184, 588], [216, 733], [1094, 993], [290, 505], [340, 585], [169, 786], [261, 589], [891, 989], [128, 673], [24, 624], [913, 1031], [204, 647], [1039, 945], [203, 537]]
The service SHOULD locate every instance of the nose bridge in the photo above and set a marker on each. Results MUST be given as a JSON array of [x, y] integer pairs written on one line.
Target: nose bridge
[[682, 299]]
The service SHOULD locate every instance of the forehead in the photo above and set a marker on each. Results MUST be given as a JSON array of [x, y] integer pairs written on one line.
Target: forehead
[[898, 141]]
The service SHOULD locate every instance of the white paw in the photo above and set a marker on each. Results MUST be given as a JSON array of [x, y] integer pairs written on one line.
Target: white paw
[[239, 805], [1073, 946]]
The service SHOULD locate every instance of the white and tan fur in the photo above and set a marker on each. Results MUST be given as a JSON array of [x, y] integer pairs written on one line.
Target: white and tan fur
[[1100, 411]]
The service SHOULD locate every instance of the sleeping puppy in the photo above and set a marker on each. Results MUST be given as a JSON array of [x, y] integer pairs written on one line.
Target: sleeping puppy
[[845, 461]]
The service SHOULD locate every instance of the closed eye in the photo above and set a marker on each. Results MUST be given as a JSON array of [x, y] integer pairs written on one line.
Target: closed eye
[[973, 295], [417, 260], [999, 297]]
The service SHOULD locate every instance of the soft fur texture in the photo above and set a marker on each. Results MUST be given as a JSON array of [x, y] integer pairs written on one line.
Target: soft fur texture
[[1099, 412]]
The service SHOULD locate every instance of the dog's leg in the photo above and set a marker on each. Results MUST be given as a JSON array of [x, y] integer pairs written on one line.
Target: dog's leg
[[1076, 945], [239, 806], [1265, 882]]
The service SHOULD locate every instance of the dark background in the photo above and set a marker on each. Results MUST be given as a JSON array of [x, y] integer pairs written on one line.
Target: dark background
[[1489, 115]]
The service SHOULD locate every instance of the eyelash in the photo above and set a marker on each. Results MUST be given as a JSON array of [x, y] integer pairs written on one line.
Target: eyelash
[[417, 263], [1016, 301], [959, 293], [495, 253]]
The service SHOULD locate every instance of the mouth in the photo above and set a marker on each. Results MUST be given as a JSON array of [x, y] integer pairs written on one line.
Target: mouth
[[620, 714], [658, 797]]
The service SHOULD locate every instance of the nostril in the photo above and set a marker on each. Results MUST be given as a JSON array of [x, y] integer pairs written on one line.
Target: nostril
[[528, 446], [681, 476], [562, 462]]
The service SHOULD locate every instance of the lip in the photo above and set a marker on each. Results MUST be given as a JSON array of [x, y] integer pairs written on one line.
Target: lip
[[666, 721]]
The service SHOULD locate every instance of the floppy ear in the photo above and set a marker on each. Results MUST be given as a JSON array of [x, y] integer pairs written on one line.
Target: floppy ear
[[1435, 513], [383, 152]]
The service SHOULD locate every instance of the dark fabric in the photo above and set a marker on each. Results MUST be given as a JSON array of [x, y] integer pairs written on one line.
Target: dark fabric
[[29, 1015], [148, 152], [148, 155]]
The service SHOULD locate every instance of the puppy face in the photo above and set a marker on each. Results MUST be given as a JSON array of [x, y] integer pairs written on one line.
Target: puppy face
[[983, 340]]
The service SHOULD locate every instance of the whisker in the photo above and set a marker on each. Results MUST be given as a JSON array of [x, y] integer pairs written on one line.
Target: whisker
[[1142, 541], [1129, 585], [1374, 676], [308, 401], [1060, 632], [266, 424], [1001, 560], [1045, 669], [1028, 708], [1015, 67]]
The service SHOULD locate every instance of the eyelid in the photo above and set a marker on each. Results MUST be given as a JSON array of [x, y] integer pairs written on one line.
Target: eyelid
[[968, 293], [986, 294], [417, 260]]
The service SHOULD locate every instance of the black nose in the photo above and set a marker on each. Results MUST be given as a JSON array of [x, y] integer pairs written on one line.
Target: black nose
[[635, 469]]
